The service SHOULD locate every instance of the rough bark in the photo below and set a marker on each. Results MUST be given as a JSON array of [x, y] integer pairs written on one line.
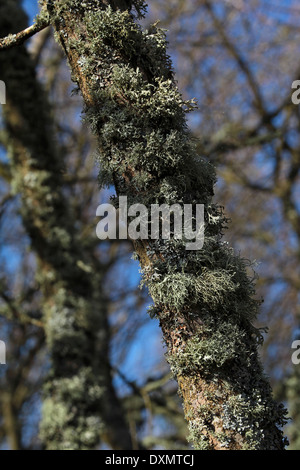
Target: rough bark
[[204, 300], [80, 403]]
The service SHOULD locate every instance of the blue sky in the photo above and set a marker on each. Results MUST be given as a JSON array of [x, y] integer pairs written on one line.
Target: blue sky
[[31, 7]]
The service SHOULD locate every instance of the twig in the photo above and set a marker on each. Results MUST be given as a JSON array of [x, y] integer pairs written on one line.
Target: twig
[[13, 40], [16, 314]]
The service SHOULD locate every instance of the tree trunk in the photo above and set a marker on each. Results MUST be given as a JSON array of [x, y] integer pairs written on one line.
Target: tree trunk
[[80, 404], [203, 299], [11, 424]]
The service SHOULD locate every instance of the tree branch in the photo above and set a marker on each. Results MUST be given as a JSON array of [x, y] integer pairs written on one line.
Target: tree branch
[[13, 40], [233, 50], [14, 313]]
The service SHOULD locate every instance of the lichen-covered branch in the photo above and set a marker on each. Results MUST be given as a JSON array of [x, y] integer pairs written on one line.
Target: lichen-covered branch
[[13, 40], [204, 300], [80, 403]]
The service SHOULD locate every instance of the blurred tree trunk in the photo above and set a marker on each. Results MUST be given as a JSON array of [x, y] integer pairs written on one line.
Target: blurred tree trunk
[[292, 389], [205, 299], [80, 404], [12, 427]]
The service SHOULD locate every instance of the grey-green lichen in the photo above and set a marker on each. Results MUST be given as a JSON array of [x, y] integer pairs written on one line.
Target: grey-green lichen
[[205, 300], [60, 412]]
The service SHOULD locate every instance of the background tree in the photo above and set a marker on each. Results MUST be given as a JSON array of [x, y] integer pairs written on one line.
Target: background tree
[[67, 429]]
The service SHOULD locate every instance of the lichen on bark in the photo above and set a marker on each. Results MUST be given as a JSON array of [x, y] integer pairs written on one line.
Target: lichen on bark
[[205, 300]]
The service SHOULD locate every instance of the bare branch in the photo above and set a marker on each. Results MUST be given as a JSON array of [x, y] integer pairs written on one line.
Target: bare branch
[[14, 313], [232, 49]]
